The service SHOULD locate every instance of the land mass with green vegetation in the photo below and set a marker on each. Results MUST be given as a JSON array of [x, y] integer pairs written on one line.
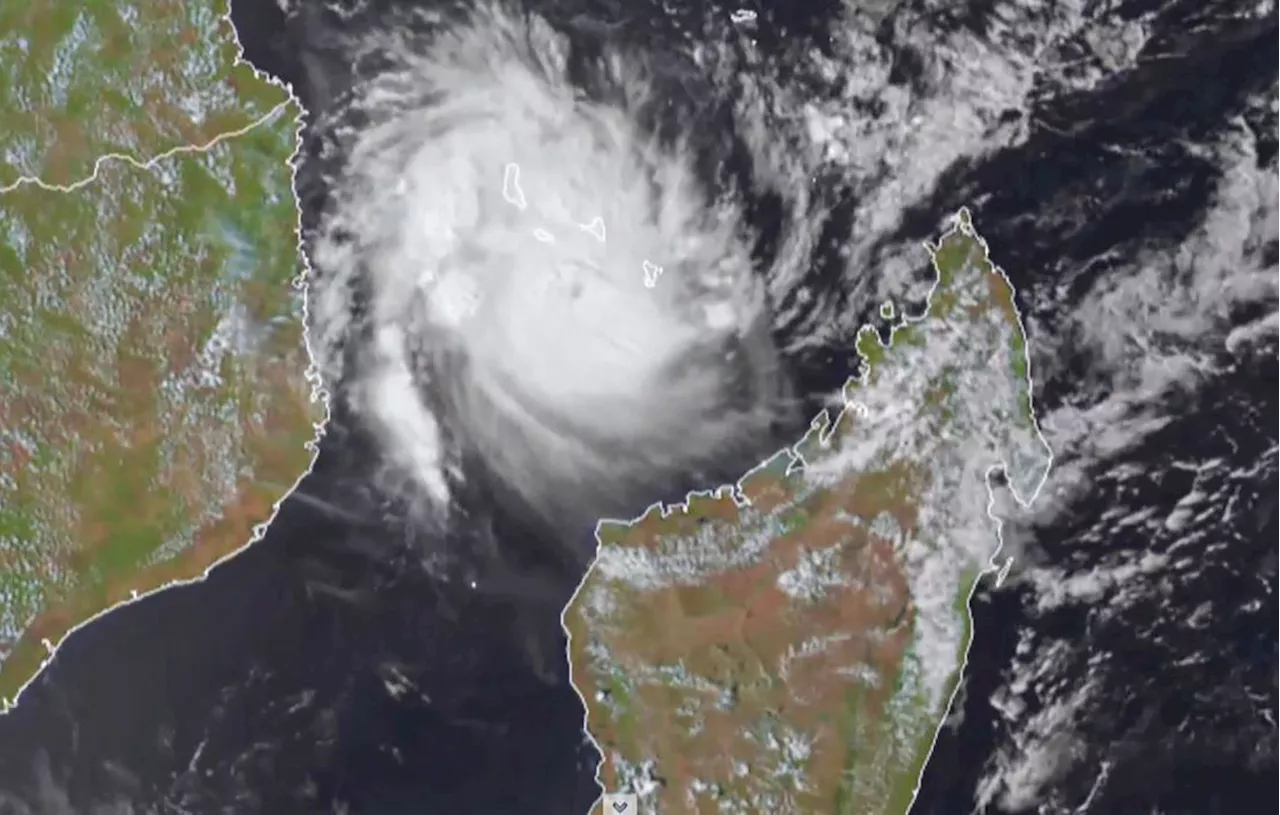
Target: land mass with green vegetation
[[155, 401], [791, 643]]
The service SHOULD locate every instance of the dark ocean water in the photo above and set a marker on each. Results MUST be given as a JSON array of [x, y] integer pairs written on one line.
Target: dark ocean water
[[301, 673], [1184, 714], [322, 669]]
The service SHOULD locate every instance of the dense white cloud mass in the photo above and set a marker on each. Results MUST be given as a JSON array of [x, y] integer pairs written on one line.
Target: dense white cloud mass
[[593, 303]]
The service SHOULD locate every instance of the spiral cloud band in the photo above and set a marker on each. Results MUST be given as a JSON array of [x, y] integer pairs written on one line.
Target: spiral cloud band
[[545, 285]]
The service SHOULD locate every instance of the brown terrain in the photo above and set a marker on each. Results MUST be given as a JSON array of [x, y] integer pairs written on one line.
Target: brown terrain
[[758, 649]]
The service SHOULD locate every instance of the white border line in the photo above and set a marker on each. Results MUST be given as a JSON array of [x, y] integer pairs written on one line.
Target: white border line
[[33, 181]]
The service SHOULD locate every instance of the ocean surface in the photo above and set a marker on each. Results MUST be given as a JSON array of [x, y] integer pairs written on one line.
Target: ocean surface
[[301, 673]]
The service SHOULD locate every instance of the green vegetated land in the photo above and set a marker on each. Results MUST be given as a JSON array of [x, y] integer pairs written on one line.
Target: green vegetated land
[[790, 643], [154, 398], [81, 80]]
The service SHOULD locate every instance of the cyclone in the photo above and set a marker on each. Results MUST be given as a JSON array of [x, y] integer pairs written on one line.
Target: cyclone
[[521, 273]]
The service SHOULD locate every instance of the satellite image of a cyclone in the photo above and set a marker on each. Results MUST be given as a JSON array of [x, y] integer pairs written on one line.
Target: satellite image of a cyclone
[[639, 407]]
